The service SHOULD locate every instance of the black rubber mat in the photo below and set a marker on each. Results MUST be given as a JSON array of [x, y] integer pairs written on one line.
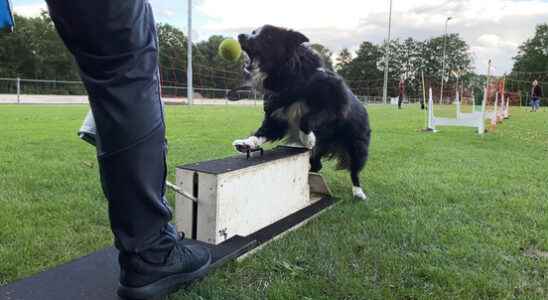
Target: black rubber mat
[[95, 277], [238, 162]]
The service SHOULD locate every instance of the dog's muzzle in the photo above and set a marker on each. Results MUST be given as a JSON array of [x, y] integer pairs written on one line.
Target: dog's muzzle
[[242, 39]]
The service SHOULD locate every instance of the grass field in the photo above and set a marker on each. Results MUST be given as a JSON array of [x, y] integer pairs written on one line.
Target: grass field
[[450, 215]]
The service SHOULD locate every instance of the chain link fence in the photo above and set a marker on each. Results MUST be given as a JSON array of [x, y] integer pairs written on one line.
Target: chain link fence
[[34, 91]]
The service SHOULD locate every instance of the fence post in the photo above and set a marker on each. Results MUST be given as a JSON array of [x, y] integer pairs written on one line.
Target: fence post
[[18, 83], [431, 126], [481, 127]]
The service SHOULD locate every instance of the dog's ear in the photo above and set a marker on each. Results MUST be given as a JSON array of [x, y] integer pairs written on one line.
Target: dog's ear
[[295, 38]]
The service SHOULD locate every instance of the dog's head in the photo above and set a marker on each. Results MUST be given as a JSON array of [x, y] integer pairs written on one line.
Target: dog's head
[[270, 46]]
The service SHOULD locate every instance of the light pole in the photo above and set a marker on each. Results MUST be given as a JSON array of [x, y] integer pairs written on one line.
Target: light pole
[[189, 87], [386, 57], [443, 62]]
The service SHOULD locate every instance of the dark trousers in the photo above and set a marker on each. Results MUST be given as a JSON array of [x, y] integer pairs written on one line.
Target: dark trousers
[[115, 46]]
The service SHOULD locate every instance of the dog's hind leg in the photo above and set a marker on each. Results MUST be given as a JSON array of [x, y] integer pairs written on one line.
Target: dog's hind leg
[[357, 190], [315, 164], [358, 158]]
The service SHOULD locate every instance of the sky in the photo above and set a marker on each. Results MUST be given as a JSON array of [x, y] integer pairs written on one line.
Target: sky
[[493, 28]]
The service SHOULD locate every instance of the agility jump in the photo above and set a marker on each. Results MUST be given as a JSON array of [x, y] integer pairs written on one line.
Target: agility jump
[[475, 119]]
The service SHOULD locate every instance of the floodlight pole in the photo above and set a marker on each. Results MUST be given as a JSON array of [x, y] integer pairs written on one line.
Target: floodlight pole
[[190, 91], [387, 57], [457, 88], [444, 55]]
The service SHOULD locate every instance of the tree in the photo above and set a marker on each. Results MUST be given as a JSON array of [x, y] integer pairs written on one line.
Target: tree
[[172, 60], [458, 59], [325, 54], [35, 50], [531, 63], [410, 58], [533, 54], [214, 71], [405, 60], [362, 72], [343, 59], [15, 54]]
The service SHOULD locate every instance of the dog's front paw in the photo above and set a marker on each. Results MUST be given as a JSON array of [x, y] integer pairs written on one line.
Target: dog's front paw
[[358, 193], [251, 143], [308, 140]]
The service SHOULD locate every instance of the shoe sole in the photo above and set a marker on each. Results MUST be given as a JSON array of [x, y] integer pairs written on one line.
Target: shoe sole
[[163, 286]]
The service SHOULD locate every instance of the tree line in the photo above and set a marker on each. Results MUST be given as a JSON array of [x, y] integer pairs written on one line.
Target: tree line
[[530, 63], [410, 59], [35, 51]]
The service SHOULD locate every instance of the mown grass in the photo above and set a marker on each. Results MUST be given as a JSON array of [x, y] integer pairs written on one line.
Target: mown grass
[[450, 214]]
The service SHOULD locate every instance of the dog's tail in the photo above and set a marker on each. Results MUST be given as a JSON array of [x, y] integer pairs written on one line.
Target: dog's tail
[[353, 155], [341, 155]]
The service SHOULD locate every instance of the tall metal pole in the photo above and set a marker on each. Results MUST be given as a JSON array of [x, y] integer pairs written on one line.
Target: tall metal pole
[[443, 62], [190, 90], [387, 56], [458, 96], [18, 83]]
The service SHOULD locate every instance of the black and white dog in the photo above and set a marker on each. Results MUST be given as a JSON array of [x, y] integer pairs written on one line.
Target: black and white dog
[[305, 102]]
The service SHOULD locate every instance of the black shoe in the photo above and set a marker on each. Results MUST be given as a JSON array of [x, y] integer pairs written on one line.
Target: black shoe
[[187, 262]]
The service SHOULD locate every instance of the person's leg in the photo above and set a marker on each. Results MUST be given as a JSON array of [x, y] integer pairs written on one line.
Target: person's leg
[[115, 46]]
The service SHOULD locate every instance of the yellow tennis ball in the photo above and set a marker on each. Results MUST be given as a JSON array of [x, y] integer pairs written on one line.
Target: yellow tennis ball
[[230, 49]]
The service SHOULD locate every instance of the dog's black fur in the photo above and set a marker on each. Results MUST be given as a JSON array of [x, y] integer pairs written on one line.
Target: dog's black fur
[[294, 73]]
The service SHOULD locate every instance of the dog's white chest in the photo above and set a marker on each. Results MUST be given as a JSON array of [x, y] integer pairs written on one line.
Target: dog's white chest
[[293, 115]]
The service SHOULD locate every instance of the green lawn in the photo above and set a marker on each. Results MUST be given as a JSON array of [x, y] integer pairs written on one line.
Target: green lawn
[[450, 215]]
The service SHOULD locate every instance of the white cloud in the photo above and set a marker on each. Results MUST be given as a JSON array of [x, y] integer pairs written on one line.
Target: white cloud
[[30, 10], [493, 28], [167, 13], [495, 41], [291, 13]]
